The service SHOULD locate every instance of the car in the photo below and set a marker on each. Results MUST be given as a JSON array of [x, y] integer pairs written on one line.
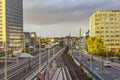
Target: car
[[107, 63]]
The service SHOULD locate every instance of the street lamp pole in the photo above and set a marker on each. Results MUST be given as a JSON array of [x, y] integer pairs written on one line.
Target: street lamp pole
[[102, 66], [5, 71], [80, 44], [91, 58], [53, 50], [48, 66], [39, 54]]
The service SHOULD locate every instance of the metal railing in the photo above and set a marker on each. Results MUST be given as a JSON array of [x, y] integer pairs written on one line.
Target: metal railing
[[32, 75]]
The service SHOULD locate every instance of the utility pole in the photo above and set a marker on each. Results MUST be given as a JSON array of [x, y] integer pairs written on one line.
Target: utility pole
[[102, 66], [53, 50], [5, 69], [24, 42], [80, 44], [91, 58], [48, 66], [39, 54]]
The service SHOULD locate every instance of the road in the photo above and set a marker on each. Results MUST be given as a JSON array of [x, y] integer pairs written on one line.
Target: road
[[108, 73], [18, 69]]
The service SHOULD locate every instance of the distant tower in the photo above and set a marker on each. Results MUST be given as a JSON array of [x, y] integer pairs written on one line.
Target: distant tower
[[68, 39], [69, 34]]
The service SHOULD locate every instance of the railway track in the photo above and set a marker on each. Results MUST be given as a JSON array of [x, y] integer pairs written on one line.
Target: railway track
[[74, 70]]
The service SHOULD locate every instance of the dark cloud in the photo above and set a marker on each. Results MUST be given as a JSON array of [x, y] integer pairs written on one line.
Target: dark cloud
[[48, 12], [58, 11]]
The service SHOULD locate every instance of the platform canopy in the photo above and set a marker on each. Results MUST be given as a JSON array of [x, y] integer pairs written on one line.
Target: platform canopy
[[31, 47], [25, 55]]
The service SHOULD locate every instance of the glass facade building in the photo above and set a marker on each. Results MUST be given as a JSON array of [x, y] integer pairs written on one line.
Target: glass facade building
[[11, 23]]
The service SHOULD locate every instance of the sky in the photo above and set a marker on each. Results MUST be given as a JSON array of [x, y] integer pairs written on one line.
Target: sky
[[56, 18]]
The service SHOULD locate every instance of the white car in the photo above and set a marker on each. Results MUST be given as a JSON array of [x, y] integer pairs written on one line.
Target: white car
[[107, 63]]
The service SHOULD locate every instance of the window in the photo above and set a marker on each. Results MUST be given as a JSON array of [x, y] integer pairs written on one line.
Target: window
[[116, 35], [0, 34], [97, 32], [111, 19]]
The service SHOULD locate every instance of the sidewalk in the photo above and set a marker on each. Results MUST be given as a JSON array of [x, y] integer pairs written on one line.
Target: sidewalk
[[99, 58]]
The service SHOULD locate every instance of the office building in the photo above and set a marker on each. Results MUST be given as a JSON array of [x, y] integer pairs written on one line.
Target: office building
[[33, 40], [11, 24], [105, 24]]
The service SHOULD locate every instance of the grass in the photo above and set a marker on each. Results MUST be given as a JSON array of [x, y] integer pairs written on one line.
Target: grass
[[3, 52]]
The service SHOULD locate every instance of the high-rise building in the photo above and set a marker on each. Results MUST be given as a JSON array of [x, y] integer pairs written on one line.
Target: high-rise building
[[33, 40], [27, 38], [105, 24], [11, 23]]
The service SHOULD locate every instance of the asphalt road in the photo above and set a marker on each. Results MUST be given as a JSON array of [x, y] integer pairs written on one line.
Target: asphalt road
[[108, 73]]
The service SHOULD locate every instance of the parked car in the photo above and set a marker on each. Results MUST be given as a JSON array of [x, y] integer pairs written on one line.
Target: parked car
[[107, 63]]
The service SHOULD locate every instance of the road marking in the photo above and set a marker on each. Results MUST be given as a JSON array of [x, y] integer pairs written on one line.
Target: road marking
[[116, 67], [97, 69], [105, 71]]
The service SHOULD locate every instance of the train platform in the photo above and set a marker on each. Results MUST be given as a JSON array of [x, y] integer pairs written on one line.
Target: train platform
[[56, 71]]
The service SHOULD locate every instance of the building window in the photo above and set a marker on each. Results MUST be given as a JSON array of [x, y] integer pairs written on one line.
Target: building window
[[111, 18], [116, 35]]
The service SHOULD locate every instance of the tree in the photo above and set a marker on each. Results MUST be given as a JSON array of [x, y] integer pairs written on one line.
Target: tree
[[61, 43], [45, 40], [26, 49], [95, 45]]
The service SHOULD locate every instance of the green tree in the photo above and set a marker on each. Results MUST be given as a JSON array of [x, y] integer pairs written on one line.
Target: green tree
[[45, 40], [26, 49], [95, 45], [61, 43]]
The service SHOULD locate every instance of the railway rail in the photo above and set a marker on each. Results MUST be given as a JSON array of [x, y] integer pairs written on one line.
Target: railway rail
[[74, 70]]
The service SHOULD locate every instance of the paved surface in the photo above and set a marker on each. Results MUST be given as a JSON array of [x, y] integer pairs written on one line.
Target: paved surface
[[108, 73], [60, 72]]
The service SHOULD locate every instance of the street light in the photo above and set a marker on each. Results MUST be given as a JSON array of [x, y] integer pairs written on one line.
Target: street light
[[53, 49], [80, 44], [48, 66], [5, 71], [91, 58], [39, 54]]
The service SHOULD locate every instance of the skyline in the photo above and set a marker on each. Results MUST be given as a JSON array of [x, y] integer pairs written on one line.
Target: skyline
[[51, 18]]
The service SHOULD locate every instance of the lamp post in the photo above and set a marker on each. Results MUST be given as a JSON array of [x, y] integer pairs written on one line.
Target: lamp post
[[80, 44], [48, 66], [5, 71], [53, 50], [91, 58], [102, 66], [39, 55]]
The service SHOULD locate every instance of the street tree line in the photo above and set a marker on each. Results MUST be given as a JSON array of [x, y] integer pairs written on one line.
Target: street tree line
[[96, 46]]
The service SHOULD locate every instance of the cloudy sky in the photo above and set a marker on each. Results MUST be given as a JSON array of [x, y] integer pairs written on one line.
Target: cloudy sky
[[50, 18]]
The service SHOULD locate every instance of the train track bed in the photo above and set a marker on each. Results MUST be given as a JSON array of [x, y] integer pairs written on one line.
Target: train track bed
[[75, 71]]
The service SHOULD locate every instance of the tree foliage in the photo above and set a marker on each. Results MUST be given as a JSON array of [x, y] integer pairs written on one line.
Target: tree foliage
[[95, 45], [45, 40], [61, 43]]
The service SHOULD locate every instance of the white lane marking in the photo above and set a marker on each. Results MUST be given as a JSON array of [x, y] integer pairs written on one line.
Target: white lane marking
[[100, 71], [116, 67], [97, 68]]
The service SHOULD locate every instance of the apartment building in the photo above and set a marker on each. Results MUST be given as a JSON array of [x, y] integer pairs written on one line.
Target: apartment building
[[105, 24]]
